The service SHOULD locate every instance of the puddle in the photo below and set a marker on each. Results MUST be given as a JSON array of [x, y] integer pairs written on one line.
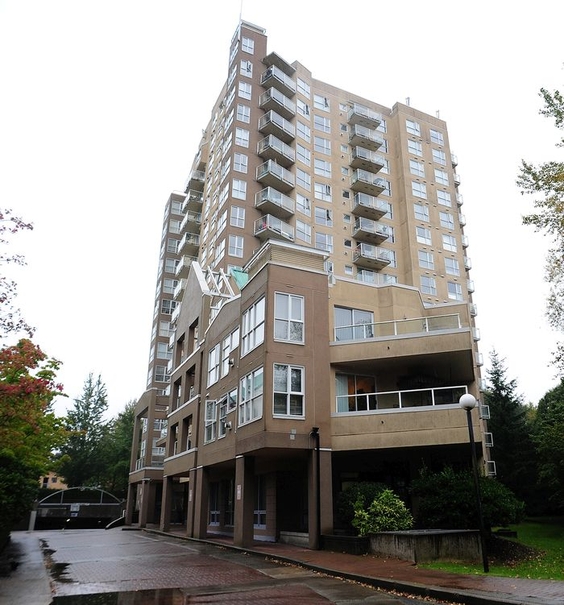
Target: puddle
[[163, 596]]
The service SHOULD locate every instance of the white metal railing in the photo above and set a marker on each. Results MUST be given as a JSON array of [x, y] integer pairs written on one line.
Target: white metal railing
[[397, 327], [399, 400]]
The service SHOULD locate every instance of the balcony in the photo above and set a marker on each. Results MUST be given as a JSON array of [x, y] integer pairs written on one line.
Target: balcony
[[467, 263], [192, 222], [272, 174], [189, 244], [470, 286], [365, 137], [274, 76], [279, 102], [271, 201], [461, 219], [465, 241], [369, 160], [456, 179], [183, 267], [271, 227], [367, 230], [453, 160], [363, 116], [196, 180], [273, 123], [459, 199], [179, 289], [369, 206], [272, 148], [371, 257], [367, 182], [397, 327], [193, 201]]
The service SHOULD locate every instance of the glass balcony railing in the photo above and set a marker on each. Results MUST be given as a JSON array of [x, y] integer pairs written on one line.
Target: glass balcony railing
[[271, 226]]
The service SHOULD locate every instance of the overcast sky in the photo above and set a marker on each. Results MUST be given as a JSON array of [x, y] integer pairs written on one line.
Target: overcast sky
[[101, 111]]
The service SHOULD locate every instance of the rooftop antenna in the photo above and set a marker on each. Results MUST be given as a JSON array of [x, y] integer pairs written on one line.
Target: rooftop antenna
[[241, 12]]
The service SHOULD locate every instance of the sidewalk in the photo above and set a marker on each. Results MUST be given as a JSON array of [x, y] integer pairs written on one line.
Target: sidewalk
[[406, 577]]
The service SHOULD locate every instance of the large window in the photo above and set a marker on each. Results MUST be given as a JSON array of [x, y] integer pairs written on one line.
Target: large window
[[244, 113], [447, 220], [242, 137], [252, 332], [236, 246], [423, 235], [322, 145], [454, 291], [237, 216], [443, 197], [353, 324], [250, 397], [289, 317], [436, 137], [213, 365], [419, 189], [417, 168], [415, 147], [322, 167], [228, 345], [413, 127], [245, 90], [303, 231], [439, 156], [323, 216], [324, 241], [426, 260], [322, 123], [210, 422], [441, 176], [452, 266], [428, 285], [239, 189], [421, 212], [355, 393], [322, 192], [449, 242], [288, 390]]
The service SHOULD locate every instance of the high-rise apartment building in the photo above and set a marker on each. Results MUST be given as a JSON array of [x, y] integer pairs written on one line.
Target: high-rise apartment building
[[313, 324]]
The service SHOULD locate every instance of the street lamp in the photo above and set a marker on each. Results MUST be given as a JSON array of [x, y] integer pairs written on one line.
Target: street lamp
[[468, 402]]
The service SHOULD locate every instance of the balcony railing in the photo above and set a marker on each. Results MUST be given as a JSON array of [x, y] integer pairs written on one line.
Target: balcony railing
[[365, 137], [369, 206], [273, 123], [365, 158], [271, 201], [387, 401], [371, 257], [274, 99], [272, 148], [398, 327], [359, 114], [370, 231], [270, 226], [367, 182], [271, 173], [274, 76], [193, 200]]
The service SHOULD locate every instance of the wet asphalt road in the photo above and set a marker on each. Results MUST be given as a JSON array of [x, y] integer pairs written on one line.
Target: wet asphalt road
[[97, 567]]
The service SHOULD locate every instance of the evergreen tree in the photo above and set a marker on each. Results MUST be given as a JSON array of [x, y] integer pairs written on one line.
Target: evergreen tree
[[81, 458], [513, 451]]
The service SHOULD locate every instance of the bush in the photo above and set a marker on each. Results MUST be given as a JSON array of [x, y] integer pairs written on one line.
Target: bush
[[447, 500], [387, 512], [346, 501]]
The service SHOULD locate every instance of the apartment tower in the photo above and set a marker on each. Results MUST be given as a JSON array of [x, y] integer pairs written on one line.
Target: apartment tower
[[314, 324]]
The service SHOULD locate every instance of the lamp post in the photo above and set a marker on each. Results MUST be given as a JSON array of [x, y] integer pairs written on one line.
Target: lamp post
[[468, 402]]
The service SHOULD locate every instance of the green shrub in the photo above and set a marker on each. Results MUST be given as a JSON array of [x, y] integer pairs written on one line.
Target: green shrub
[[387, 512], [366, 490], [447, 500]]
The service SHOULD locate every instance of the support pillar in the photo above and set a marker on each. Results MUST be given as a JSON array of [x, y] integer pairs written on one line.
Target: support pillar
[[166, 503], [201, 503], [192, 485], [244, 501], [144, 507], [130, 504]]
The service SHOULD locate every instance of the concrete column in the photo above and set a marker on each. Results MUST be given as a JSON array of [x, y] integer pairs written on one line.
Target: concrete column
[[144, 509], [201, 503], [166, 504], [244, 501], [130, 505], [326, 481], [191, 507]]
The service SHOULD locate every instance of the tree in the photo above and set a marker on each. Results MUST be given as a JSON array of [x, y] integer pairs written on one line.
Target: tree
[[81, 459], [513, 446], [10, 317], [116, 452], [29, 429], [549, 441], [547, 181]]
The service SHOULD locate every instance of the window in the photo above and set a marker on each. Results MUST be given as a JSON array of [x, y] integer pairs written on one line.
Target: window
[[441, 176], [289, 317], [417, 168], [250, 396], [167, 306], [213, 365], [248, 45], [302, 204], [242, 137], [161, 374], [228, 345], [421, 212], [428, 285], [239, 189], [449, 242], [439, 156], [244, 113], [304, 131], [303, 179], [252, 332], [443, 197], [436, 137], [245, 90], [414, 147], [447, 220], [419, 189], [322, 123], [321, 102], [322, 192], [222, 221], [454, 291], [210, 422], [246, 68], [165, 329], [426, 260], [222, 409], [169, 285], [322, 168], [302, 107], [324, 241], [170, 265], [304, 88], [303, 154], [172, 245], [237, 216], [303, 231], [353, 324], [240, 162], [322, 145], [423, 235], [235, 246], [413, 127], [163, 351], [288, 390], [452, 266], [323, 216], [355, 393]]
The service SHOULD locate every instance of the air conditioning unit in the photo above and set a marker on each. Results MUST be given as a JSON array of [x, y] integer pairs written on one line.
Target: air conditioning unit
[[490, 468], [485, 412], [488, 439]]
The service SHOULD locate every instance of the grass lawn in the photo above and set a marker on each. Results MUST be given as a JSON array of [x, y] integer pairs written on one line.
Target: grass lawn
[[536, 553]]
